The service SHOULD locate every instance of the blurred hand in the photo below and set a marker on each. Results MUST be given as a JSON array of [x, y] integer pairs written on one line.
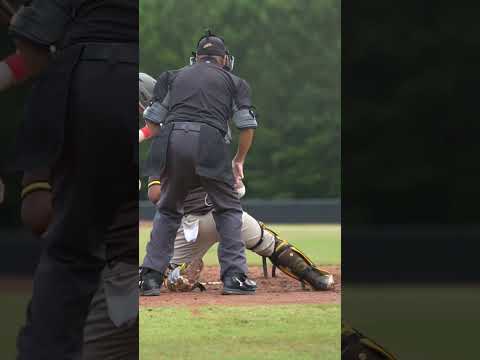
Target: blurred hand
[[240, 189], [37, 211]]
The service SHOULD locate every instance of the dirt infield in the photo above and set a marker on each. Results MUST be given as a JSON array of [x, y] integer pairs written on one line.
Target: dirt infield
[[272, 291]]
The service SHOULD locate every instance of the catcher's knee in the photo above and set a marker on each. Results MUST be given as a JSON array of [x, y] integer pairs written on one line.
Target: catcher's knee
[[263, 240]]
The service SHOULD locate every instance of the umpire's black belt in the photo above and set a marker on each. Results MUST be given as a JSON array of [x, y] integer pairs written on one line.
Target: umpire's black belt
[[187, 126], [112, 52]]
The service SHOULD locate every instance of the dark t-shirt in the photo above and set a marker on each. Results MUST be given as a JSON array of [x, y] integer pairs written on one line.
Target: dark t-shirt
[[203, 92], [197, 202], [104, 21], [68, 22]]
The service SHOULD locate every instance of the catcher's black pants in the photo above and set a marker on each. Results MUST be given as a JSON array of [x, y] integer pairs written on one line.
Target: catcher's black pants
[[94, 176], [180, 177]]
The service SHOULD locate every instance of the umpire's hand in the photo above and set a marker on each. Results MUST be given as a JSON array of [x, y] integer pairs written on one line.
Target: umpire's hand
[[237, 172], [244, 143]]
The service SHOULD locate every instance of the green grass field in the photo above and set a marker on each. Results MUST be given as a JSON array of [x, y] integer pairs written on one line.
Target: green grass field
[[13, 310], [303, 332], [293, 332], [320, 242]]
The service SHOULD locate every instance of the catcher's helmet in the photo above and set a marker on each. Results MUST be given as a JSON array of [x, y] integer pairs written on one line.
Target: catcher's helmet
[[146, 84]]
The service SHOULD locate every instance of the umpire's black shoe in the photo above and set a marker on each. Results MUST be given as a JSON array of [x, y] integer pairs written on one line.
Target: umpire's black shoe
[[238, 284], [150, 282]]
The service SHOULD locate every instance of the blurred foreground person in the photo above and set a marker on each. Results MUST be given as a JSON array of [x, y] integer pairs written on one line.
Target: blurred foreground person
[[111, 327], [78, 134]]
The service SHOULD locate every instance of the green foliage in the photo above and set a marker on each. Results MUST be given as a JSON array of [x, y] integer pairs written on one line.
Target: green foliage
[[289, 52]]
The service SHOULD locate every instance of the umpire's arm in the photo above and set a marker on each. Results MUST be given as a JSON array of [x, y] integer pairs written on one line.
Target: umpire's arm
[[35, 28], [245, 120]]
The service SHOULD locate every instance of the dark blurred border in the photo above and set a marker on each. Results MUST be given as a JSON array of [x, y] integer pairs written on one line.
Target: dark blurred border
[[410, 176], [18, 249]]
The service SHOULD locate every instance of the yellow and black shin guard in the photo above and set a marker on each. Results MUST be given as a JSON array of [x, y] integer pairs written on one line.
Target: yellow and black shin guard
[[294, 263]]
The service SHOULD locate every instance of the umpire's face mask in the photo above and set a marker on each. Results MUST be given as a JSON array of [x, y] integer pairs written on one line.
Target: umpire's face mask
[[213, 45], [230, 63]]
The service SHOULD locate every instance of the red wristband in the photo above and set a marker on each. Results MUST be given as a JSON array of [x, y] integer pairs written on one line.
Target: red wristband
[[16, 63], [146, 132]]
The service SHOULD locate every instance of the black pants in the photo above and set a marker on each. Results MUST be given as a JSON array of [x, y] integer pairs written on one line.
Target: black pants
[[181, 177], [94, 176]]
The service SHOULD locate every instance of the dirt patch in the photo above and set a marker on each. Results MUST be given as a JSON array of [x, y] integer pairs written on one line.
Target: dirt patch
[[272, 291]]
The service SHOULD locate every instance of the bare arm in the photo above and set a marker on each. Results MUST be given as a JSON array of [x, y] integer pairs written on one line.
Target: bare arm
[[244, 144], [37, 201], [28, 61]]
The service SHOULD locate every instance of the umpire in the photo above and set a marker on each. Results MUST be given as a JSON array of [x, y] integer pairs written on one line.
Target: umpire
[[193, 105], [83, 55]]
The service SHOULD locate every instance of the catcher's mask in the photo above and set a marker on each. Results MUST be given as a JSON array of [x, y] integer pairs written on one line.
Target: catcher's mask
[[213, 45]]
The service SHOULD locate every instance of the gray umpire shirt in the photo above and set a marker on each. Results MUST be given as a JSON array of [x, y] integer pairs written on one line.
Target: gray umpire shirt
[[203, 92]]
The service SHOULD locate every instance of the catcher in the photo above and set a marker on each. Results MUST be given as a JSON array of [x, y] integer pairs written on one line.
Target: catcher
[[198, 233]]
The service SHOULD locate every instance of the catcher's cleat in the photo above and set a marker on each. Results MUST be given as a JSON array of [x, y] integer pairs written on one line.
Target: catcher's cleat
[[150, 282], [297, 265], [356, 346], [238, 284]]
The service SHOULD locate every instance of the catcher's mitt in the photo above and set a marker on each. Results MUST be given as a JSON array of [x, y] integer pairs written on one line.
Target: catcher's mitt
[[356, 346], [184, 277]]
